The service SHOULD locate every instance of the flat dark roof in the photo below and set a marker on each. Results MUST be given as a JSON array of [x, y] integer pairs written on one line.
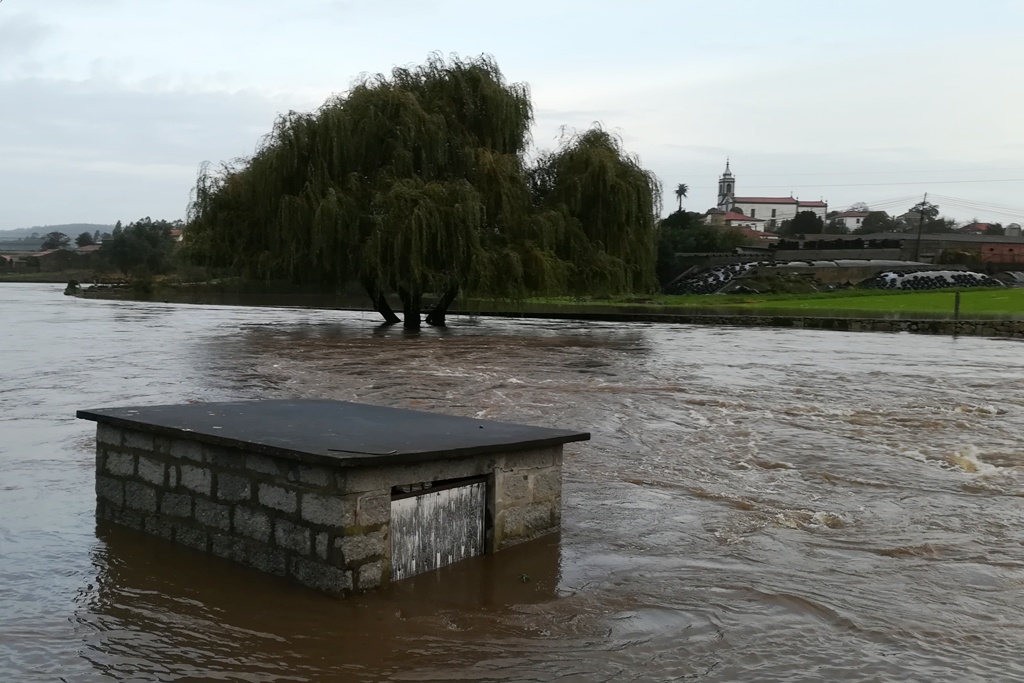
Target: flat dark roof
[[333, 432]]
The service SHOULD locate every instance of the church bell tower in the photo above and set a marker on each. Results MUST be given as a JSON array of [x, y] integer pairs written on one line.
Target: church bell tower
[[726, 189]]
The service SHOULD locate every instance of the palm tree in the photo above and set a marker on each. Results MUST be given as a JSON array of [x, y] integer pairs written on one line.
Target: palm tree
[[681, 191]]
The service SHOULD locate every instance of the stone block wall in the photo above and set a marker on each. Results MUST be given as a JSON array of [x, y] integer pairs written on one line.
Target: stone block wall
[[322, 526], [528, 496]]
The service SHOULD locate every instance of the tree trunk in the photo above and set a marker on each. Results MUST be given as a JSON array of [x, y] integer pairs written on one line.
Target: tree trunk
[[411, 305], [436, 315], [381, 305]]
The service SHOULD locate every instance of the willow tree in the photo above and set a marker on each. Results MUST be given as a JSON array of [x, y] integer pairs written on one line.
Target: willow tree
[[415, 184], [610, 205], [412, 184]]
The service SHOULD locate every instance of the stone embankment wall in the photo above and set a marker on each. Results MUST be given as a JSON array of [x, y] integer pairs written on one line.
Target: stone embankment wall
[[324, 527]]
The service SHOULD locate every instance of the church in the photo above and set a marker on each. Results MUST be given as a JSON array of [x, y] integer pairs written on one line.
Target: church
[[762, 213]]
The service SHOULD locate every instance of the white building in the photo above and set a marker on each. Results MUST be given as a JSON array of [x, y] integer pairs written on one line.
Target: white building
[[770, 210], [851, 220], [730, 219]]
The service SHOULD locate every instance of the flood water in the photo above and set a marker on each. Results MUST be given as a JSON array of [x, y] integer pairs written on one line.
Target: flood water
[[755, 505]]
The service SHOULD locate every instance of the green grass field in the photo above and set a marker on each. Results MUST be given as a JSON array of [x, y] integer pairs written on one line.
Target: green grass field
[[983, 302], [871, 303]]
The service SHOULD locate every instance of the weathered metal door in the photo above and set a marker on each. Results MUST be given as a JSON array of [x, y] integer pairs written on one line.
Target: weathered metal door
[[435, 528]]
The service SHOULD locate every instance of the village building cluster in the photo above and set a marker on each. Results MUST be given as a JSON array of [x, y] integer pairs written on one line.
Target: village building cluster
[[762, 214], [761, 217]]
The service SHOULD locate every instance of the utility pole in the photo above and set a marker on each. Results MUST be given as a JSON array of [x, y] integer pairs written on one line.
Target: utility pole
[[920, 226]]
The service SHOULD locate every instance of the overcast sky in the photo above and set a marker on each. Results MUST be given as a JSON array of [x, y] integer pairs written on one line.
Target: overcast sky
[[107, 107]]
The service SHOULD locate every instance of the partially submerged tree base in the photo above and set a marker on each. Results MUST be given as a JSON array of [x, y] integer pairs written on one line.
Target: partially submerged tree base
[[412, 307], [436, 317], [381, 305]]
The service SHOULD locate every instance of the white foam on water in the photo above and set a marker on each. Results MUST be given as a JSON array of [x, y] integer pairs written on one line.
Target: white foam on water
[[983, 409], [967, 459]]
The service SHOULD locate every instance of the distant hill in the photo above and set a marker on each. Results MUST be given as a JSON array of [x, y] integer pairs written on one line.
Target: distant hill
[[72, 230]]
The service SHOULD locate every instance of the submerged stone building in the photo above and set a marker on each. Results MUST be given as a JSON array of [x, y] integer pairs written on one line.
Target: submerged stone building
[[337, 496]]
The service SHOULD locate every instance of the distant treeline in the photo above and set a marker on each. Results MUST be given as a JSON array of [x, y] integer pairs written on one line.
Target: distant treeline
[[38, 231], [24, 244]]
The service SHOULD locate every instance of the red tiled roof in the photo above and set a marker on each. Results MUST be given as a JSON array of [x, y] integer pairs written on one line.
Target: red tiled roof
[[764, 200], [821, 204], [763, 236], [740, 217], [852, 214], [975, 228]]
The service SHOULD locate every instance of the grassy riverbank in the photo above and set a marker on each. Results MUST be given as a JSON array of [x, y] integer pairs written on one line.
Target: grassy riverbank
[[982, 302], [987, 302], [977, 303], [62, 278]]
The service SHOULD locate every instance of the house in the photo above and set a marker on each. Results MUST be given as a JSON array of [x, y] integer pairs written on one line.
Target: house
[[751, 227], [9, 263], [771, 210], [733, 219], [975, 229], [53, 260], [851, 220], [765, 238]]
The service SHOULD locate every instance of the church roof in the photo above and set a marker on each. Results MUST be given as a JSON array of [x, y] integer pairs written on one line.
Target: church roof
[[764, 200], [821, 204]]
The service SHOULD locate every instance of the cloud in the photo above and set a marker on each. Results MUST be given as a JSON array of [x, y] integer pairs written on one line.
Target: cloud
[[21, 34], [127, 97], [97, 151]]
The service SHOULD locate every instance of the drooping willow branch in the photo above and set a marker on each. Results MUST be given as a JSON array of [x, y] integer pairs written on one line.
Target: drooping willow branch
[[418, 183]]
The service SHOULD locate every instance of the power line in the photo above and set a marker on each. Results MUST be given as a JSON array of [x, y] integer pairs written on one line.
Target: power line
[[979, 208], [967, 205], [917, 182], [930, 170], [895, 201], [987, 205], [978, 204], [902, 204]]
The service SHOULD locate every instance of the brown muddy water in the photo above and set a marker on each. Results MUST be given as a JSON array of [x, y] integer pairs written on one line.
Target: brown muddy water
[[756, 504]]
